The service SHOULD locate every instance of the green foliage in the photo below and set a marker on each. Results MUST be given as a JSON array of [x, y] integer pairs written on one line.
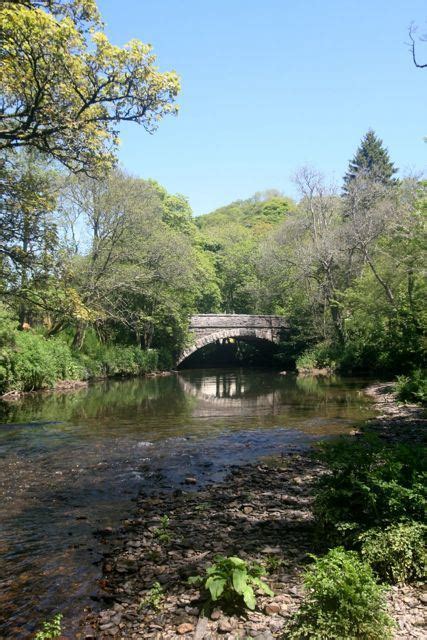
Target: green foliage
[[397, 554], [378, 336], [369, 484], [154, 598], [273, 563], [50, 629], [342, 601], [412, 388], [371, 160], [66, 87], [318, 357], [29, 361], [231, 236], [163, 533], [233, 581], [34, 362]]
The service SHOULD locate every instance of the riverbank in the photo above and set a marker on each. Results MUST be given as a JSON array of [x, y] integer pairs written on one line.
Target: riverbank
[[261, 513]]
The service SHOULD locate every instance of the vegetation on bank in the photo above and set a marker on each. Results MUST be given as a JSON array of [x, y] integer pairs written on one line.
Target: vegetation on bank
[[343, 601], [30, 361], [412, 388], [371, 505]]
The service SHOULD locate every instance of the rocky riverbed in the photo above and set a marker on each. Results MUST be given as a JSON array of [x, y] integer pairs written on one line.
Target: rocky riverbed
[[261, 513]]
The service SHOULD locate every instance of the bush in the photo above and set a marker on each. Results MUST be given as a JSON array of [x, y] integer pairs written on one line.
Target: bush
[[65, 364], [321, 356], [369, 484], [412, 388], [33, 365], [343, 601], [115, 360], [232, 580], [29, 361], [397, 554]]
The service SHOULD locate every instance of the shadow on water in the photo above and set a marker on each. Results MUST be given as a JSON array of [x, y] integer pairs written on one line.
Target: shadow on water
[[71, 463]]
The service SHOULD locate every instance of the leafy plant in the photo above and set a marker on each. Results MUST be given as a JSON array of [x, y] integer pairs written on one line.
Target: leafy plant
[[397, 554], [154, 597], [233, 581], [412, 388], [163, 533], [273, 563], [370, 484], [322, 355], [342, 601], [50, 629]]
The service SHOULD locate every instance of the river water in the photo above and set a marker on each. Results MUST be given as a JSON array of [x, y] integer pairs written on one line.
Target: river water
[[71, 464]]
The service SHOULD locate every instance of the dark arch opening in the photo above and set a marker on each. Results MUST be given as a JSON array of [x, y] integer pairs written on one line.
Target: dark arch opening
[[235, 352]]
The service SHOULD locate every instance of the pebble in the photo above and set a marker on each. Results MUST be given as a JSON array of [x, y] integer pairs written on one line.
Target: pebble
[[185, 627], [225, 626], [272, 608]]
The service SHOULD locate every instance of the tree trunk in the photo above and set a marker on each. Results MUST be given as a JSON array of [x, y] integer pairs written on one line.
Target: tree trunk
[[79, 336]]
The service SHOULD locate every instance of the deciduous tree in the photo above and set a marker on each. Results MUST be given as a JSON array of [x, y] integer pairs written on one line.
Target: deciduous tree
[[65, 88]]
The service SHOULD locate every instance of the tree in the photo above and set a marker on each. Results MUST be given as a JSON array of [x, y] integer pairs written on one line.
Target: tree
[[136, 267], [28, 234], [302, 263], [372, 161], [65, 88]]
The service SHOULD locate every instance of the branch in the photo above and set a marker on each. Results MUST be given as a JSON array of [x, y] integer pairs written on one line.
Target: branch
[[414, 57]]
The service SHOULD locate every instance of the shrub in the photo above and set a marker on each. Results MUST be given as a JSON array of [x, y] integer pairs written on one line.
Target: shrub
[[118, 360], [412, 388], [343, 601], [65, 364], [397, 554], [370, 484], [322, 355], [29, 361], [32, 363], [232, 581]]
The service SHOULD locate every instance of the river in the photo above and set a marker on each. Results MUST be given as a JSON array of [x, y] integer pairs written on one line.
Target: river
[[72, 463]]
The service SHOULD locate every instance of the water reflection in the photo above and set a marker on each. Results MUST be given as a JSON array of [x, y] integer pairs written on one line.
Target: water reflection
[[70, 463]]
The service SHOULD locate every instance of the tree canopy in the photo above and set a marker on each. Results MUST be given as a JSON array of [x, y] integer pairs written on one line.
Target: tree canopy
[[66, 88]]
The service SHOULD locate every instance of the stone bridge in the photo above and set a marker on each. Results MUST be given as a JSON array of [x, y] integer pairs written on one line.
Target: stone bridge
[[209, 328]]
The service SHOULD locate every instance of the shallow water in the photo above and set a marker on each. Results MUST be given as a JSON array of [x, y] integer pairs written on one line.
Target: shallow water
[[71, 463]]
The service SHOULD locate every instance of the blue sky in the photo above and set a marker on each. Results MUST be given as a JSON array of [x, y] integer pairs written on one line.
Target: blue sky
[[269, 86]]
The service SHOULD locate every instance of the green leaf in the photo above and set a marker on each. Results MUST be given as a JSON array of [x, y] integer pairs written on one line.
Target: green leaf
[[249, 598], [215, 586], [263, 585], [239, 578]]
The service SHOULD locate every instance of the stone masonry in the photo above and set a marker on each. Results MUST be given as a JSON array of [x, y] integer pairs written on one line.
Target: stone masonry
[[212, 327]]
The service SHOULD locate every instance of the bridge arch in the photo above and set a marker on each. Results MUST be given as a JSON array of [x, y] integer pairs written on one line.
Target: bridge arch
[[211, 328]]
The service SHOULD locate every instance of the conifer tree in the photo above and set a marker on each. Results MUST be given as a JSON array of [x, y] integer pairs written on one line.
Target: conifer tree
[[372, 161]]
